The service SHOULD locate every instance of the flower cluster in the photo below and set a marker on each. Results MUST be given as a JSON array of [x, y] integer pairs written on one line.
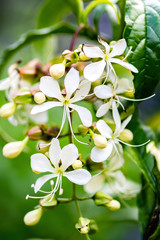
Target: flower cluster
[[106, 83]]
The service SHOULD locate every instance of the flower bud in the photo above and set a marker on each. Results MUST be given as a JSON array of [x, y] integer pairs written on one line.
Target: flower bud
[[7, 110], [83, 130], [113, 205], [100, 198], [13, 149], [77, 164], [57, 70], [99, 140], [23, 97], [35, 133], [83, 225], [33, 217], [39, 97], [43, 146], [126, 135], [93, 228]]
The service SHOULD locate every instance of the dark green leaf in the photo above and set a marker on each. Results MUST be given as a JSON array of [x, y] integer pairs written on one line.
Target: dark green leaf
[[77, 8], [142, 32]]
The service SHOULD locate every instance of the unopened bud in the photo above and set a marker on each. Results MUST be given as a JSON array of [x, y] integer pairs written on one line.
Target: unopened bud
[[23, 97], [57, 70], [7, 110], [83, 57], [84, 230], [33, 217], [83, 225], [66, 52], [43, 146], [83, 130], [126, 135], [39, 97], [99, 140], [113, 205], [35, 133], [13, 149], [77, 164], [93, 228], [100, 198]]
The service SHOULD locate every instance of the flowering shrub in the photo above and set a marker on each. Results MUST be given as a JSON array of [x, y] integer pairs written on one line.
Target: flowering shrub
[[99, 82]]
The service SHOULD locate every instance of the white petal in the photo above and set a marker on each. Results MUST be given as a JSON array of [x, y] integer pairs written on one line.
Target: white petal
[[100, 155], [116, 161], [118, 48], [103, 91], [104, 129], [119, 177], [94, 71], [13, 121], [45, 106], [95, 183], [123, 85], [68, 155], [107, 47], [5, 84], [124, 64], [54, 152], [42, 180], [103, 109], [71, 82], [82, 91], [84, 114], [40, 163], [79, 176], [125, 122], [39, 117], [50, 87], [116, 117], [93, 51]]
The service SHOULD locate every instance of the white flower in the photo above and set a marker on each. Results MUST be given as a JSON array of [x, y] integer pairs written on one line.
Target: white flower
[[50, 88], [100, 155], [113, 94], [59, 161], [94, 71]]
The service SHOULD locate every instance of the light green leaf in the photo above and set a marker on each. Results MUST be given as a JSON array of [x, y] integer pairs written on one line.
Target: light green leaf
[[142, 32]]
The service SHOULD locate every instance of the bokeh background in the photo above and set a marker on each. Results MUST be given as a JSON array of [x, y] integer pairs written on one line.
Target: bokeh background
[[16, 177]]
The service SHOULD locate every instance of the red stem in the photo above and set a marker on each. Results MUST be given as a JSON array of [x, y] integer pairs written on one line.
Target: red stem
[[75, 36]]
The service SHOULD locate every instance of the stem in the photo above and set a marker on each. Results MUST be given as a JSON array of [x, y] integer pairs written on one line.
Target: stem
[[75, 36], [87, 237]]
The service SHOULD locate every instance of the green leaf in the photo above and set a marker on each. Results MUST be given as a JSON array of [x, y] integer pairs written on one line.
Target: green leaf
[[37, 34], [77, 8], [156, 234], [142, 32]]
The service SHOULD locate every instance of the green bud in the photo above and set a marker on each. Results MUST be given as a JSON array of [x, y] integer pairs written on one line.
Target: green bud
[[23, 97], [7, 110], [100, 198], [93, 228], [83, 130], [33, 217], [83, 225], [126, 135]]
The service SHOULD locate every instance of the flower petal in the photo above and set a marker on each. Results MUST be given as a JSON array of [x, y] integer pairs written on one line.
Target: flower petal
[[55, 152], [5, 84], [40, 163], [124, 64], [94, 71], [105, 44], [39, 117], [116, 117], [125, 122], [50, 87], [68, 155], [104, 129], [84, 114], [100, 155], [103, 109], [118, 48], [79, 176], [103, 91], [93, 51], [42, 180], [95, 183], [45, 106], [82, 91], [71, 82]]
